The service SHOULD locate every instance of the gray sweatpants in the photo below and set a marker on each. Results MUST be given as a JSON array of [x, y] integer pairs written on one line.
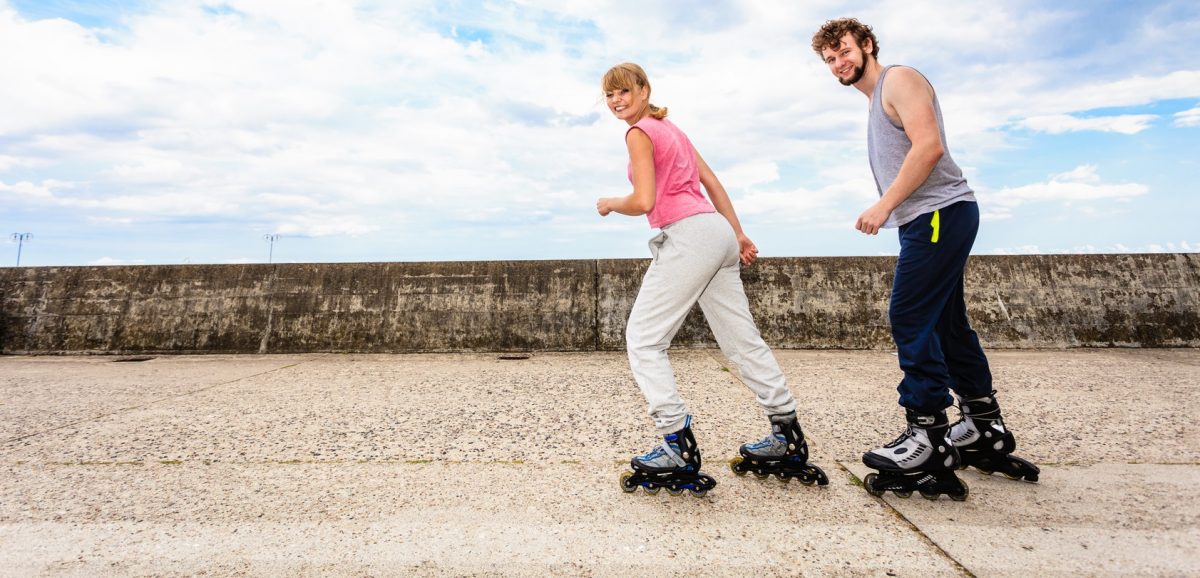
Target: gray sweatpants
[[696, 259]]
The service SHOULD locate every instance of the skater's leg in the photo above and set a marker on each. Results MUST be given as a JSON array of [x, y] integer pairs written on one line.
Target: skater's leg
[[728, 314], [784, 451], [928, 272], [682, 267], [970, 375]]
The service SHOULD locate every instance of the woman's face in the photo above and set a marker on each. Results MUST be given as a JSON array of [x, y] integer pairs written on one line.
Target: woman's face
[[628, 105]]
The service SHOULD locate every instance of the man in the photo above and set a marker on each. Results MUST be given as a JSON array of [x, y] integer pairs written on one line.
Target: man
[[923, 193]]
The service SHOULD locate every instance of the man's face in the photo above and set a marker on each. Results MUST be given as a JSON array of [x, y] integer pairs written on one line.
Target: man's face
[[847, 62]]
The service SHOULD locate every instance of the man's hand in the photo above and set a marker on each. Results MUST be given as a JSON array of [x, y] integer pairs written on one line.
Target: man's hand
[[603, 207], [747, 250], [873, 218]]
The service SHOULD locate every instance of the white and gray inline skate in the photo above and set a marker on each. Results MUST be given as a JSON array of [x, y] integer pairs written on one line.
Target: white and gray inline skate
[[922, 459], [985, 444]]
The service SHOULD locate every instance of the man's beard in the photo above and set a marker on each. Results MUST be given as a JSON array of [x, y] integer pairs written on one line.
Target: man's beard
[[858, 74]]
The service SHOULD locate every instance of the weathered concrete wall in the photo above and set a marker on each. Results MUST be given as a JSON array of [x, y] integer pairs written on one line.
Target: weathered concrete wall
[[1018, 301], [515, 305]]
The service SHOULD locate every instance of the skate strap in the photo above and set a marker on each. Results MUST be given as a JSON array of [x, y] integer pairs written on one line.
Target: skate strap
[[772, 439], [674, 455]]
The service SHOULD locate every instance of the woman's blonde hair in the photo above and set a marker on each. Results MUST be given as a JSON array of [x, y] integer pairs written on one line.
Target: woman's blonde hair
[[628, 76]]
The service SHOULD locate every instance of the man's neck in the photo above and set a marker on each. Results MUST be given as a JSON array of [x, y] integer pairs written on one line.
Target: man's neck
[[870, 76]]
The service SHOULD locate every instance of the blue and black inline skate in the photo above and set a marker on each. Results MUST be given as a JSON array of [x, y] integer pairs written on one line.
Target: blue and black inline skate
[[985, 444], [922, 459], [674, 465], [782, 453]]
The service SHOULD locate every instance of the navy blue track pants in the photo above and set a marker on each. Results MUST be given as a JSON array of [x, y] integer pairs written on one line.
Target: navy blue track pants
[[938, 350]]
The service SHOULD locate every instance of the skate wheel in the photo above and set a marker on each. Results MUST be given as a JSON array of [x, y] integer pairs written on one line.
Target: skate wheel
[[736, 465], [808, 480], [905, 494], [761, 475], [699, 493], [674, 491], [928, 495], [985, 472], [966, 491], [869, 485], [652, 490], [1017, 470], [784, 477], [625, 485]]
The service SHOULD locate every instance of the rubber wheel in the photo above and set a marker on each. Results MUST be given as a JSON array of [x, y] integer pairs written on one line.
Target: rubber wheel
[[734, 465], [869, 484], [961, 497]]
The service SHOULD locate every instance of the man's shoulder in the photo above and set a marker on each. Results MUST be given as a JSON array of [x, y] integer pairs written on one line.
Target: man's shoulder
[[905, 80], [904, 72]]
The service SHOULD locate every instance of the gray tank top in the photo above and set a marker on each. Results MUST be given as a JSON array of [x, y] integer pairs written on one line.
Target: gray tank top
[[887, 146]]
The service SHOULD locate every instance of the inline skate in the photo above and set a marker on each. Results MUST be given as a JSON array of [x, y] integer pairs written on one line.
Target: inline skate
[[782, 453], [674, 465], [922, 459], [985, 444]]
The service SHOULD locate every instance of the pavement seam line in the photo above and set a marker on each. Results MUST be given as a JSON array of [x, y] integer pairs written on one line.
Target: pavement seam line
[[428, 462], [297, 462], [154, 401], [911, 524]]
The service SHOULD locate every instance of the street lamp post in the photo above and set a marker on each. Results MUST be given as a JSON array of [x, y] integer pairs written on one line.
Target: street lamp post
[[271, 238], [19, 239]]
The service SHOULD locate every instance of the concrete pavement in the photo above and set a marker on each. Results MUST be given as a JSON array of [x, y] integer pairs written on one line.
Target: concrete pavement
[[452, 464]]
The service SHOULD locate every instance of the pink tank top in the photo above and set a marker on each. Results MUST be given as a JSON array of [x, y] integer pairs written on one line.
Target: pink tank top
[[676, 174]]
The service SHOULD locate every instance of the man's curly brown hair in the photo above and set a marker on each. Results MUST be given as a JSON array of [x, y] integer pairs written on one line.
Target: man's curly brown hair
[[830, 35]]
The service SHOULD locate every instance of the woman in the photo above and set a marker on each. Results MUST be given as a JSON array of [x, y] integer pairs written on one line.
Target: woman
[[697, 256]]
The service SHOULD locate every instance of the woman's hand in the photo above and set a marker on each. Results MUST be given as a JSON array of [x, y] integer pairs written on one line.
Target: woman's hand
[[604, 206], [747, 250]]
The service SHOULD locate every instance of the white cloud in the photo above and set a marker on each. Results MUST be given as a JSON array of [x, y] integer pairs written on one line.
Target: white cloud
[[317, 225], [1079, 174], [749, 174], [25, 191], [1018, 250], [7, 162], [1188, 118], [339, 119], [1167, 247], [106, 261], [1079, 185], [1061, 123]]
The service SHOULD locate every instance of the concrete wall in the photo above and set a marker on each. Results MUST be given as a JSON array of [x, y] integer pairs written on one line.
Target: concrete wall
[[1018, 301]]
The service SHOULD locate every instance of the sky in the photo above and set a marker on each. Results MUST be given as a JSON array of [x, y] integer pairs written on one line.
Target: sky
[[195, 131]]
